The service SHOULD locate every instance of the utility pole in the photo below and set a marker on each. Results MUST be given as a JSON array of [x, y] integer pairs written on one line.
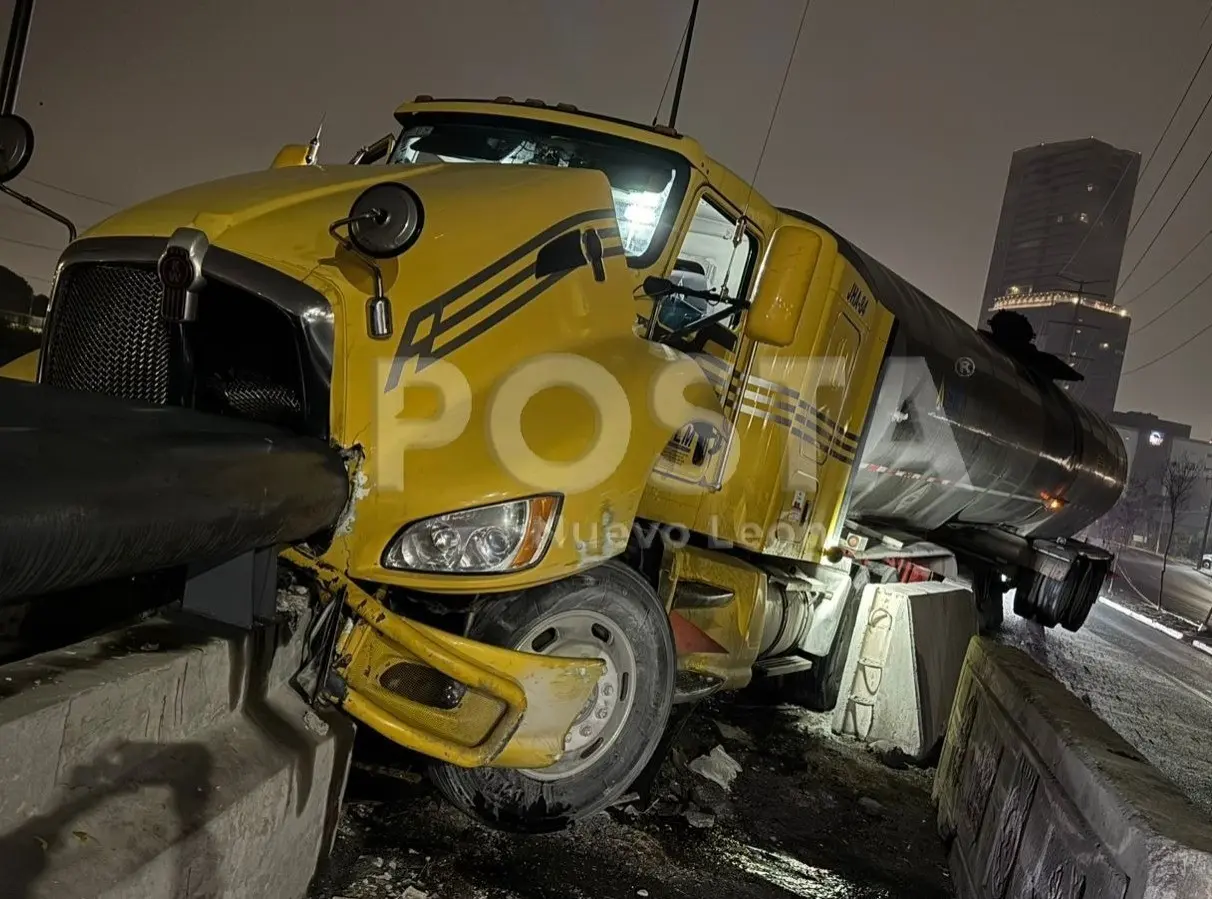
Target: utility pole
[[677, 91], [1203, 541], [1081, 286], [1081, 292], [14, 55]]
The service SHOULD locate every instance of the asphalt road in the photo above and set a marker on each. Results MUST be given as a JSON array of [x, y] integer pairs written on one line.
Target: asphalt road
[[1188, 593], [1155, 690]]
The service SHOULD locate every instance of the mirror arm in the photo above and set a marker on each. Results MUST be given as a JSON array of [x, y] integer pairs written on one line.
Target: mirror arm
[[46, 211]]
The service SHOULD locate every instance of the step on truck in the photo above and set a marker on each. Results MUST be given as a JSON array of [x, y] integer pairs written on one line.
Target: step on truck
[[619, 433]]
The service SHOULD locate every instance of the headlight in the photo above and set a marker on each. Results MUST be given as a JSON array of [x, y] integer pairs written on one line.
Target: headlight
[[502, 537]]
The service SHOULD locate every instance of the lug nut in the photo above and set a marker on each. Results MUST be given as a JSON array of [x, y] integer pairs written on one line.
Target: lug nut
[[601, 713], [586, 730], [607, 689]]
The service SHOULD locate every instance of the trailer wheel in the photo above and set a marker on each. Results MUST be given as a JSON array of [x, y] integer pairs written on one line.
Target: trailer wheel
[[987, 591], [609, 612]]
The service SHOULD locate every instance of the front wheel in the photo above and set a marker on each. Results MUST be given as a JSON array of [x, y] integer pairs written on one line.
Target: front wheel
[[611, 613]]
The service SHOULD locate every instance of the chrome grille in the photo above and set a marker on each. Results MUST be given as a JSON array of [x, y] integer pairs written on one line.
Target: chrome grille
[[106, 334]]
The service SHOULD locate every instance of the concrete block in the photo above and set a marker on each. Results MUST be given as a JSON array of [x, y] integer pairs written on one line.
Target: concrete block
[[171, 759], [904, 663], [1037, 796], [156, 682]]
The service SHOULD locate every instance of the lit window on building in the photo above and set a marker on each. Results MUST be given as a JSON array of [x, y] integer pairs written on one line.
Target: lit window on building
[[1089, 188], [1104, 346], [1085, 217]]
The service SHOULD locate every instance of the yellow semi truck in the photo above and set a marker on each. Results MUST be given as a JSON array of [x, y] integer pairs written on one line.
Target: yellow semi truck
[[620, 433]]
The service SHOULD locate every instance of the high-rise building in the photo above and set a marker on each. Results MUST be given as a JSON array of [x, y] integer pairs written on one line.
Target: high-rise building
[[1057, 256], [1064, 221], [1089, 334]]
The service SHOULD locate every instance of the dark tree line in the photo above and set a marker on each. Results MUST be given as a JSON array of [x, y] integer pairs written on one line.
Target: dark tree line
[[16, 294]]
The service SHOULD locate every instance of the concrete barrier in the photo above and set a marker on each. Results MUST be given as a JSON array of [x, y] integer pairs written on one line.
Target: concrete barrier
[[1038, 797], [904, 663], [169, 759]]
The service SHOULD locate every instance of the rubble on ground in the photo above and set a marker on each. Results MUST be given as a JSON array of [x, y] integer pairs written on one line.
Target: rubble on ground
[[765, 807]]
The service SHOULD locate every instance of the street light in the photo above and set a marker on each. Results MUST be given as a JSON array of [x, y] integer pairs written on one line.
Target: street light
[[1203, 541]]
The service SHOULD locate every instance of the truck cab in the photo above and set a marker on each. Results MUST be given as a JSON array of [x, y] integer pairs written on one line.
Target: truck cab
[[605, 413]]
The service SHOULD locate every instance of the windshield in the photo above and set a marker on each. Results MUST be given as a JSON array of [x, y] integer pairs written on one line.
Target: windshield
[[647, 183]]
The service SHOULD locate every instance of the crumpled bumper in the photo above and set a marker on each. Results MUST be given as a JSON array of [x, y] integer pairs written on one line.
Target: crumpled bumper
[[455, 699]]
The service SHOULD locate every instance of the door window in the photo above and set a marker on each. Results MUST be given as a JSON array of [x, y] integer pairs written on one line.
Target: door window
[[709, 259]]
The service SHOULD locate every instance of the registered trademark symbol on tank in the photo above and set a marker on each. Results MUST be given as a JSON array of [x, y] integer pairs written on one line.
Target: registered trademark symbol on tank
[[964, 367]]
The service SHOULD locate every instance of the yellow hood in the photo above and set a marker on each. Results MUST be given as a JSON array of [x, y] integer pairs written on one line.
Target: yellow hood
[[282, 216]]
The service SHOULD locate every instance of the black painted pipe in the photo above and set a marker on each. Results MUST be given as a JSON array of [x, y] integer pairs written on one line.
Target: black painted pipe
[[93, 488]]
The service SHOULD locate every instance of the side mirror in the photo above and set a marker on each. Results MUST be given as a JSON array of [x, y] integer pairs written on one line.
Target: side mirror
[[292, 155], [657, 287], [797, 262], [16, 146]]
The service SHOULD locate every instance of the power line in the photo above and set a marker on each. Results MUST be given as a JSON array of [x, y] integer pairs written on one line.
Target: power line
[[1176, 303], [1166, 174], [1149, 159], [1167, 272], [1166, 355], [1141, 258], [774, 116], [7, 208], [26, 243], [71, 193]]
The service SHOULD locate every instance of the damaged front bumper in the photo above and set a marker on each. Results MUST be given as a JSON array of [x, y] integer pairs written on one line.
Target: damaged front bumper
[[452, 698]]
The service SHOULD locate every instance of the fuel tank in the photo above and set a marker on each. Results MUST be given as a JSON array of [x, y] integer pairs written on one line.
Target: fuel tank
[[961, 432]]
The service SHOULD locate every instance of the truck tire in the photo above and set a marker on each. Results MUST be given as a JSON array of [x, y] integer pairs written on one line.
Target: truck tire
[[609, 612]]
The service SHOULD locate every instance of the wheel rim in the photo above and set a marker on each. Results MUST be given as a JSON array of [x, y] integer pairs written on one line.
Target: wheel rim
[[583, 634]]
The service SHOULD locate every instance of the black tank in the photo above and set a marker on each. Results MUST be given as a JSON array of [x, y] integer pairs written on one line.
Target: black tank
[[963, 431]]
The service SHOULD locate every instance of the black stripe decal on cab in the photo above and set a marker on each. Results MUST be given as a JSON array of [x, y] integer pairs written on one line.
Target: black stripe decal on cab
[[409, 347]]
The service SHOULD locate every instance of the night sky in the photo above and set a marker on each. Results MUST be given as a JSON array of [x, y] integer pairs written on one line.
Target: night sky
[[896, 127]]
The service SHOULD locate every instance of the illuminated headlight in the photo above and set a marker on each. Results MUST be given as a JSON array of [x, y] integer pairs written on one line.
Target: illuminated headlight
[[498, 538]]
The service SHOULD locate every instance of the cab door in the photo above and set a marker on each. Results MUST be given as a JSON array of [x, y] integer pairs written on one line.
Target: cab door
[[715, 254]]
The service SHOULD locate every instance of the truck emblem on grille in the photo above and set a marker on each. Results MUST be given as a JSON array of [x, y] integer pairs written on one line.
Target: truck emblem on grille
[[180, 270]]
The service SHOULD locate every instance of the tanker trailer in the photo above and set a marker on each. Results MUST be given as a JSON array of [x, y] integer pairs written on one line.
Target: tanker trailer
[[973, 445]]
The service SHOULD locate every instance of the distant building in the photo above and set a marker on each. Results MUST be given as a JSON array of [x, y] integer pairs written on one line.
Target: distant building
[[1057, 255], [1064, 221], [1088, 334], [1153, 444]]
